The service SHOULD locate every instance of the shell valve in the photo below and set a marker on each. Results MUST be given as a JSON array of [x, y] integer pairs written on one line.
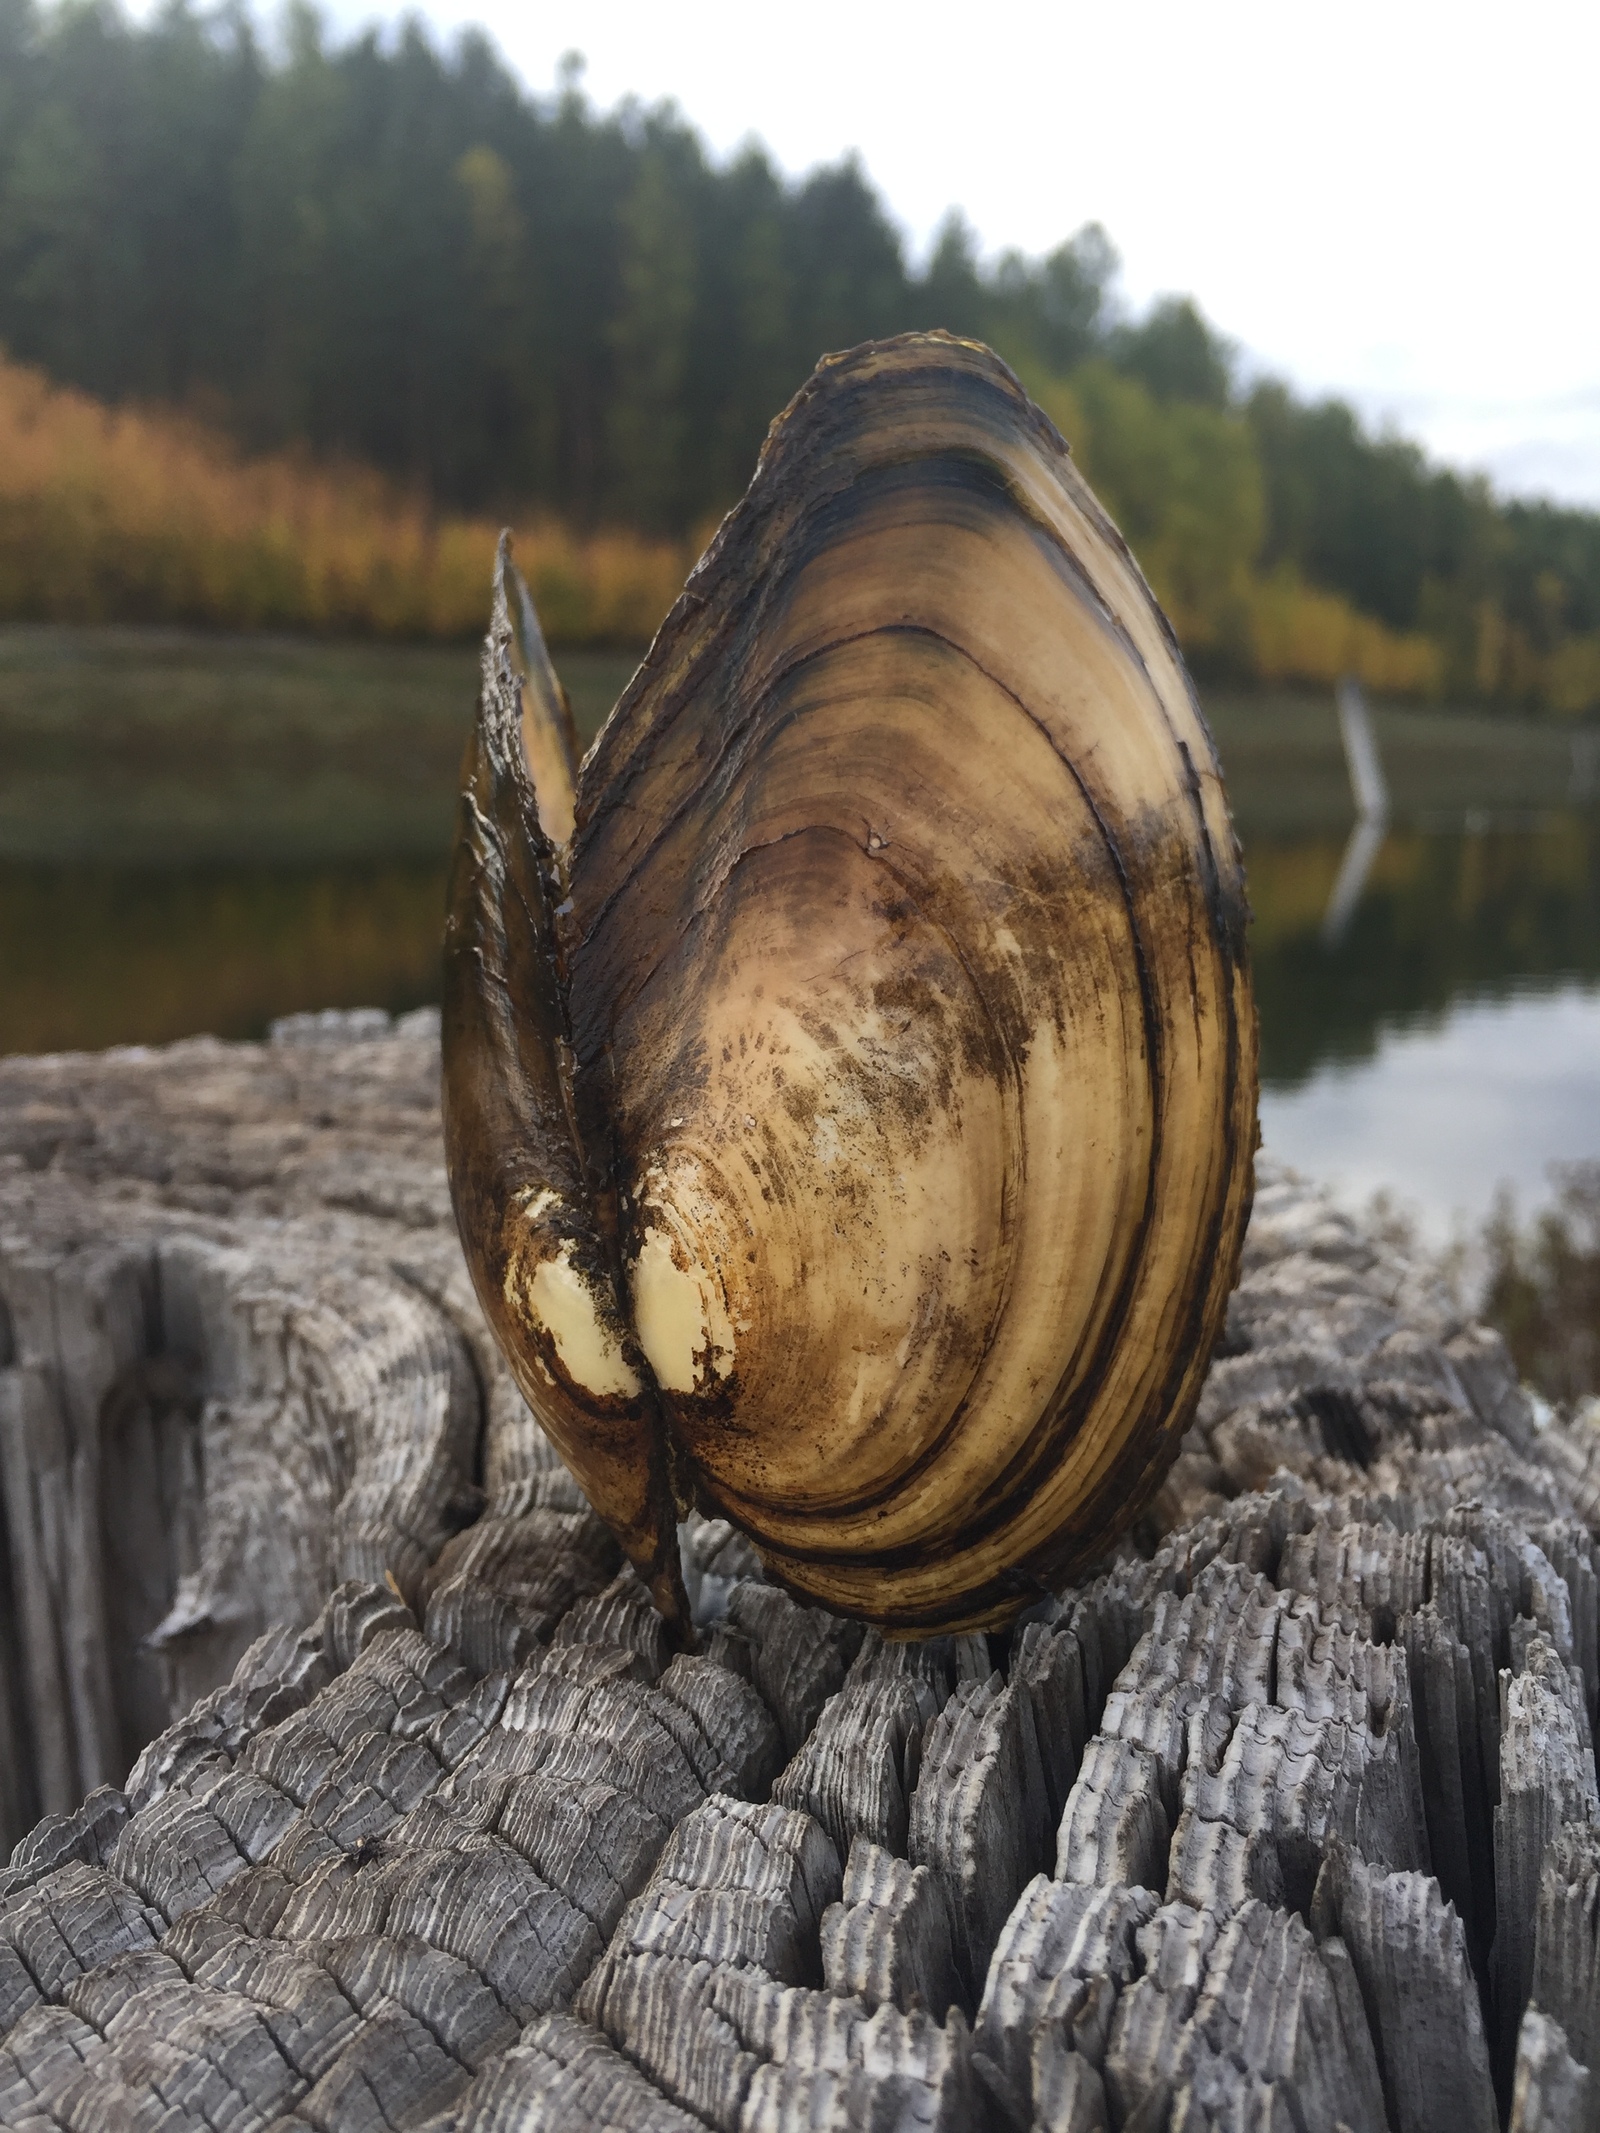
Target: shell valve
[[850, 1122]]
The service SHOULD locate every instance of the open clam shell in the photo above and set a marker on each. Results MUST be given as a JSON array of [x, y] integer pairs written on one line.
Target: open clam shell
[[850, 1123]]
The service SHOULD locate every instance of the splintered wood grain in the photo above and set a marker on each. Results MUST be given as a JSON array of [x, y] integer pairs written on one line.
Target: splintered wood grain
[[1246, 1995], [852, 1772], [1064, 1954], [1408, 1949], [890, 1939], [430, 1889], [979, 1816], [239, 1361], [1114, 1828], [562, 2074], [1551, 2090], [1547, 1779], [737, 1884], [800, 1655], [1285, 1820], [1566, 1958]]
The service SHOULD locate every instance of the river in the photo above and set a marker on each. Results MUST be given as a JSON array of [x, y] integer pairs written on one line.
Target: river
[[200, 834]]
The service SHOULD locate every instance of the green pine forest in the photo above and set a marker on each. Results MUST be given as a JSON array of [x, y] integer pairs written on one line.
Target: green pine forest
[[389, 255]]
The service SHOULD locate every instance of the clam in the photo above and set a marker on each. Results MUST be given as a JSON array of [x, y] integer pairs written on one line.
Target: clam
[[850, 1066]]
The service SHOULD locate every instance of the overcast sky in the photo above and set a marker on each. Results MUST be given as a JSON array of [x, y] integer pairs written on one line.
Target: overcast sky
[[1393, 201]]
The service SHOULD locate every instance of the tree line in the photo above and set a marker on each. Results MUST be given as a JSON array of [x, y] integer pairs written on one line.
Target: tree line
[[392, 253]]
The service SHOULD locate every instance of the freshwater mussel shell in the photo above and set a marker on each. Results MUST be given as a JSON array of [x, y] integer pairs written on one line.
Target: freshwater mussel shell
[[851, 1127]]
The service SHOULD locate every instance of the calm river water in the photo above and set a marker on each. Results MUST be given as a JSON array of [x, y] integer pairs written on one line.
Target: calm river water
[[1448, 1041], [198, 835]]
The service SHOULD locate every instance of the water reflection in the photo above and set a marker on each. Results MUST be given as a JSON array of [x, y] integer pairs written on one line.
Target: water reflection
[[1366, 842], [1490, 1093], [1444, 915], [97, 955], [94, 955], [1433, 1029]]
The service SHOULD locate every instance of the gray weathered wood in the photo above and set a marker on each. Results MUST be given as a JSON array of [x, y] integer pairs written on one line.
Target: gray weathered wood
[[799, 1655], [852, 1773], [980, 1814], [1550, 2093], [1409, 1955], [890, 1939], [461, 1843], [561, 2076], [1065, 1952], [238, 1361], [1229, 2005], [1547, 1778], [1566, 1960]]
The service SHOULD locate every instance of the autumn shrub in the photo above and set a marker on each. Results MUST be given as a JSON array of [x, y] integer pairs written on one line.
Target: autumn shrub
[[148, 516], [1184, 484], [1299, 634]]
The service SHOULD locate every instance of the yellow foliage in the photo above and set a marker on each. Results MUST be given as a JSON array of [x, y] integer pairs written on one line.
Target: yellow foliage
[[1573, 674], [1300, 634], [1507, 663], [1184, 486], [144, 515], [123, 515]]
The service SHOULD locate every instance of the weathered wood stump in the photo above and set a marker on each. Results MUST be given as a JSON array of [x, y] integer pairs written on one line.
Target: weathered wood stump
[[368, 1793]]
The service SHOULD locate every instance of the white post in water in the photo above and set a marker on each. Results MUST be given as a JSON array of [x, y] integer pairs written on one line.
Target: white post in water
[[1371, 795], [1361, 753]]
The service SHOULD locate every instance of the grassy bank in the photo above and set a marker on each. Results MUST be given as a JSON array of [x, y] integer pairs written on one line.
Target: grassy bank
[[170, 747], [1285, 764], [175, 747]]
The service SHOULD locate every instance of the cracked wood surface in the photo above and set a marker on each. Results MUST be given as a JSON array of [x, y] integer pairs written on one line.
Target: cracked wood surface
[[352, 1781]]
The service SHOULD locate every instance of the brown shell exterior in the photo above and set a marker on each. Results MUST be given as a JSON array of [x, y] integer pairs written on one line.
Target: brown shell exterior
[[851, 1129]]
